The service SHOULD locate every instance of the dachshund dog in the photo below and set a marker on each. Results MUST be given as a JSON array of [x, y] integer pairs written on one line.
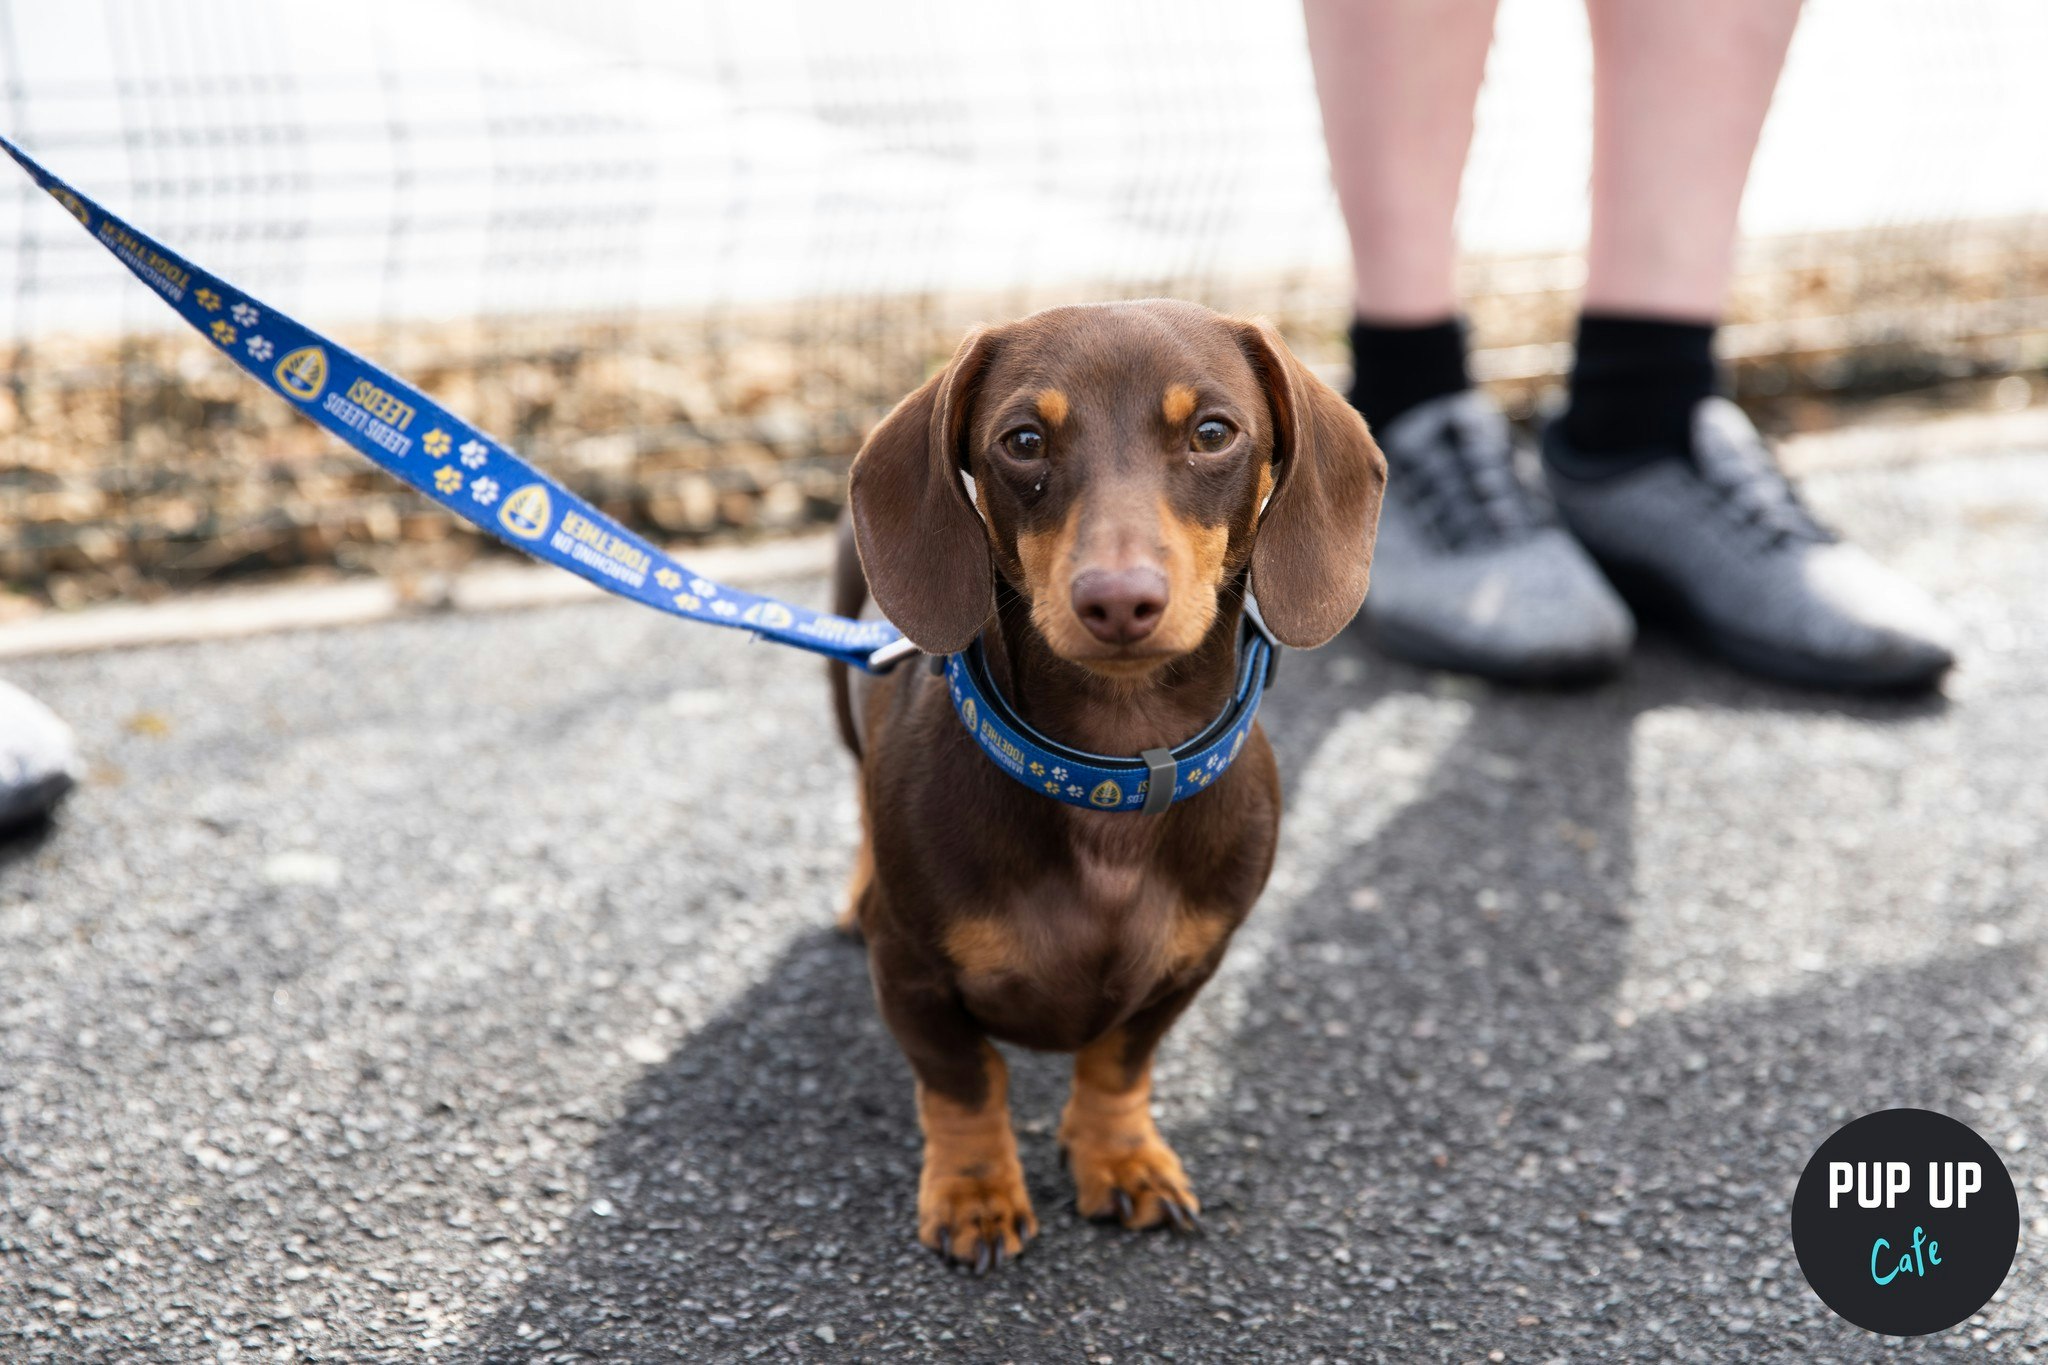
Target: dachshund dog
[[1135, 468]]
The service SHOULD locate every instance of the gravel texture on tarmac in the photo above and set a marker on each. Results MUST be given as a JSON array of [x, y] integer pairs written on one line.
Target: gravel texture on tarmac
[[460, 988]]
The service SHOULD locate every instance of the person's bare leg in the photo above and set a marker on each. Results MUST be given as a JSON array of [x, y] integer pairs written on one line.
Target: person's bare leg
[[1679, 96], [1397, 80]]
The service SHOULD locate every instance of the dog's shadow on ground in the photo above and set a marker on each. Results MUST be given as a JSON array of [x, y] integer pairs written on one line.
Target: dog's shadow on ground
[[760, 1184]]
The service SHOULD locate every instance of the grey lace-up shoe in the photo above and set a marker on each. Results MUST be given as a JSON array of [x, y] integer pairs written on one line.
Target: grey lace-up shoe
[[38, 763], [1722, 544], [1470, 572]]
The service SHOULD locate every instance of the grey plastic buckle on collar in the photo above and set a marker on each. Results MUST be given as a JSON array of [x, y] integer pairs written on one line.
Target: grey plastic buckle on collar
[[1158, 780]]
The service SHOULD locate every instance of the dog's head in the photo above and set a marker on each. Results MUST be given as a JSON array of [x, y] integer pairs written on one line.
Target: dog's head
[[1128, 461]]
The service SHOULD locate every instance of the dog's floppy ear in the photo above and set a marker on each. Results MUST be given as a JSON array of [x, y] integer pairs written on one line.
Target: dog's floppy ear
[[1313, 555], [921, 542]]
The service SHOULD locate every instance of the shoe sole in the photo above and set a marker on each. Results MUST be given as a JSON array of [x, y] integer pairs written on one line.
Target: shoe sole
[[1417, 648], [1653, 597]]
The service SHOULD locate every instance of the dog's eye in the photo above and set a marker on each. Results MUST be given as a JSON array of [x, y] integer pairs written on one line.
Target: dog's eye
[[1025, 444], [1213, 435]]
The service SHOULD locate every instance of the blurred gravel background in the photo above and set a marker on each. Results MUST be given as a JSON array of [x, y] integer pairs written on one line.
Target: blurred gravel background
[[459, 988]]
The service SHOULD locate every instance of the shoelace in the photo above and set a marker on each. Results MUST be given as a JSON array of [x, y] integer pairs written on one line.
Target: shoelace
[[1461, 479], [1735, 463]]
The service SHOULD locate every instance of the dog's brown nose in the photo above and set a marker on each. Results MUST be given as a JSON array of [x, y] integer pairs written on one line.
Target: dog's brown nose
[[1120, 606]]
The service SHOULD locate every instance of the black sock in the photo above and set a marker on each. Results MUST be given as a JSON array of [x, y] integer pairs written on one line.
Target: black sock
[[1394, 368], [1634, 385]]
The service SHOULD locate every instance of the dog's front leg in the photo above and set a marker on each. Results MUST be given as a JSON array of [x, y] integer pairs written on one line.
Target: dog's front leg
[[1122, 1168], [971, 1202]]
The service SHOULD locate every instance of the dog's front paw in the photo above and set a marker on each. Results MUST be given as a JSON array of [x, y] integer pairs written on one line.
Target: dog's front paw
[[1128, 1173], [979, 1216]]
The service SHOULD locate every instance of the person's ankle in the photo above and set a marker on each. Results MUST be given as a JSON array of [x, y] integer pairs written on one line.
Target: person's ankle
[[1636, 382], [1398, 366]]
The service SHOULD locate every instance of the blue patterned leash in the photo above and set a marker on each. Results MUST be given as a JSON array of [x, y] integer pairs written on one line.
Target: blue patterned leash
[[423, 444]]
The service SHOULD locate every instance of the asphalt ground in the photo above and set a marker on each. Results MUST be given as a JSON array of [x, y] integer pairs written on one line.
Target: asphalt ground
[[460, 988]]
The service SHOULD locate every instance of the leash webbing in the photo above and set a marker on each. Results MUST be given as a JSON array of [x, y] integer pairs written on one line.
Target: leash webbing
[[425, 445]]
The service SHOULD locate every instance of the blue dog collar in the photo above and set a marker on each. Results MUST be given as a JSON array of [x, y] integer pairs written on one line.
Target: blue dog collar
[[1149, 783]]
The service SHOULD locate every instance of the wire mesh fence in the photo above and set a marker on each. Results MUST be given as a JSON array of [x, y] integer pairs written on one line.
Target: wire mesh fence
[[685, 251]]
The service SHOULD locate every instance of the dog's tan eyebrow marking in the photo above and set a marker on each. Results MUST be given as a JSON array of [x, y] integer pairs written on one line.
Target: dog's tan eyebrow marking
[[1178, 403], [1052, 406]]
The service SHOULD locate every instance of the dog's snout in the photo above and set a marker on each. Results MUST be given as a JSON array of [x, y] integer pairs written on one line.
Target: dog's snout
[[1120, 606]]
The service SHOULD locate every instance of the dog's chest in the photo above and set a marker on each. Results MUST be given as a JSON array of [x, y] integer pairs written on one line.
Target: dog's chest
[[1061, 960]]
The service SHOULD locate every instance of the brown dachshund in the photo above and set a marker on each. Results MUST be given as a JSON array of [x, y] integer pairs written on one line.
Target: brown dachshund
[[1135, 466]]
